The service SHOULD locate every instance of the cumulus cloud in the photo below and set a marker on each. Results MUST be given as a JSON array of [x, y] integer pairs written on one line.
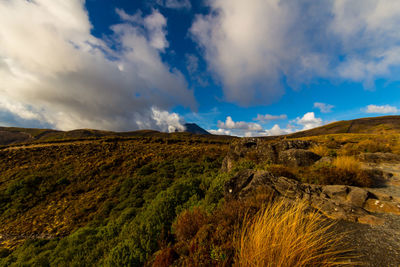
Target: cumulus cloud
[[385, 109], [168, 122], [251, 46], [249, 129], [154, 24], [267, 117], [220, 132], [368, 32], [237, 128], [308, 121], [53, 70], [276, 130], [239, 125], [175, 4], [324, 108]]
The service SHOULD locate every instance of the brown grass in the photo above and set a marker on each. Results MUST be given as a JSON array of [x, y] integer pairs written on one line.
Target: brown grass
[[285, 234], [347, 163], [320, 150]]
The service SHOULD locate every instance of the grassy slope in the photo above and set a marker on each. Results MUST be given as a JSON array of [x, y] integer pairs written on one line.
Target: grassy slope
[[373, 125], [51, 190]]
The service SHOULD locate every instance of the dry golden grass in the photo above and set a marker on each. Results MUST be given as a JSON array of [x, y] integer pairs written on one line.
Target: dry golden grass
[[347, 163], [284, 234], [320, 150]]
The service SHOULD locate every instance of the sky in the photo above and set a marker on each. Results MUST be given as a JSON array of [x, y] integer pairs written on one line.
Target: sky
[[245, 68]]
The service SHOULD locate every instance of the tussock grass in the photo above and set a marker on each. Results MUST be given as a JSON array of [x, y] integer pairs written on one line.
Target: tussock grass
[[320, 150], [347, 163], [285, 234]]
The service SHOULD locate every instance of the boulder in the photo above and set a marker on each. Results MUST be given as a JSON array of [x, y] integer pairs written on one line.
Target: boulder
[[357, 196], [298, 157], [235, 185], [335, 192]]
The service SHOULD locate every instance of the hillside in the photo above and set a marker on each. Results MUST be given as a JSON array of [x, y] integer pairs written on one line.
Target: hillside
[[385, 124], [51, 190]]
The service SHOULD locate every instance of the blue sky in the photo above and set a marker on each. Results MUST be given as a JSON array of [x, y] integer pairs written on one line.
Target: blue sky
[[247, 68]]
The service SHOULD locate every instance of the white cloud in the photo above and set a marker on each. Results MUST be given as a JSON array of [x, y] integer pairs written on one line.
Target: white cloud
[[240, 125], [249, 129], [309, 121], [175, 4], [166, 121], [220, 132], [250, 47], [267, 117], [276, 130], [385, 109], [154, 24], [52, 68], [324, 108]]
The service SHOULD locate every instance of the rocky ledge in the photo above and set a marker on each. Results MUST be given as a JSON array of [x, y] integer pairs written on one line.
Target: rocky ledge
[[288, 152], [334, 201]]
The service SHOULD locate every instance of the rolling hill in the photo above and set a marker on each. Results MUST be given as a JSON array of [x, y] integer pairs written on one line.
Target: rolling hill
[[373, 125]]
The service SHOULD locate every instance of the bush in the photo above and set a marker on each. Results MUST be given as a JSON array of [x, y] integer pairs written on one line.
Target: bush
[[281, 170], [346, 174], [164, 257], [188, 224], [4, 252], [373, 146], [244, 164]]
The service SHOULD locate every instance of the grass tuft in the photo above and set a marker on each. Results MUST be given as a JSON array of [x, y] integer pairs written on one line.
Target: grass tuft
[[320, 150], [286, 234], [347, 163]]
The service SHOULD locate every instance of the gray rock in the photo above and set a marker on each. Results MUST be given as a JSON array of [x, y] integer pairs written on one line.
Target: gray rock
[[235, 185], [357, 196], [336, 192], [298, 157], [266, 151]]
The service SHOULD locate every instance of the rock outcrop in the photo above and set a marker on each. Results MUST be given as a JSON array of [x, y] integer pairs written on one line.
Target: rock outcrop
[[288, 152], [334, 201], [379, 157]]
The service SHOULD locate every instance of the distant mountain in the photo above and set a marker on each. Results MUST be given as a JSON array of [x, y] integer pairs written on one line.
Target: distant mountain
[[194, 128], [373, 125]]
